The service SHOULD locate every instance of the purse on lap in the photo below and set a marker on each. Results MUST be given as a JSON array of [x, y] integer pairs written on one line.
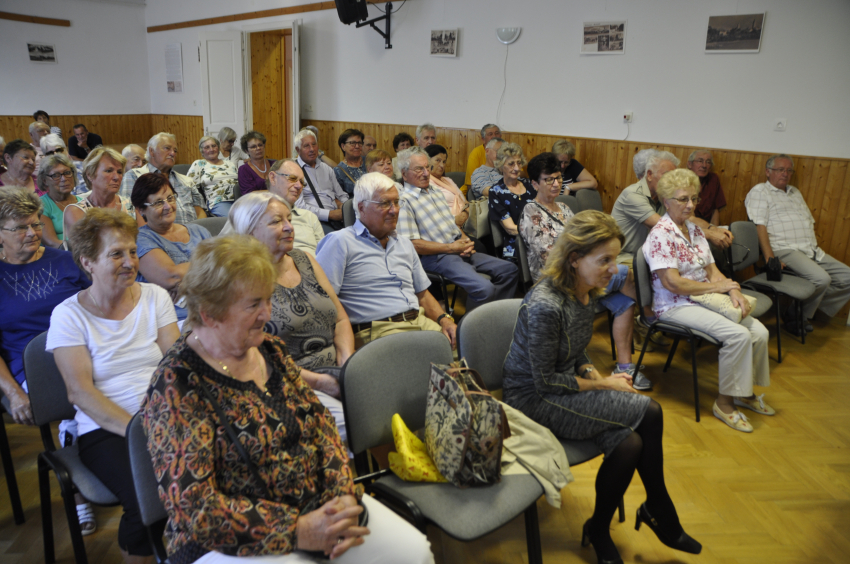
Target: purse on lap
[[722, 304]]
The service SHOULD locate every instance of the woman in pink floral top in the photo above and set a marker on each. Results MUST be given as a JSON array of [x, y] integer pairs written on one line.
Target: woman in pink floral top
[[678, 255]]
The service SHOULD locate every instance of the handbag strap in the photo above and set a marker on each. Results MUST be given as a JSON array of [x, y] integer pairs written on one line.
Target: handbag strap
[[549, 213], [312, 188], [345, 172], [234, 438]]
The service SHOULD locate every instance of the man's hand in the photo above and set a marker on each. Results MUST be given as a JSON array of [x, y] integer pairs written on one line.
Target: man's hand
[[719, 237], [332, 528], [20, 408], [463, 247], [335, 215], [449, 330]]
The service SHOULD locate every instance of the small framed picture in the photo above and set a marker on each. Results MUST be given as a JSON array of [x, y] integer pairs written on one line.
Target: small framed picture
[[604, 38], [42, 53], [444, 43], [735, 34]]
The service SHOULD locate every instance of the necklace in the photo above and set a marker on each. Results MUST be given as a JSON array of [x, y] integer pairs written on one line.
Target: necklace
[[258, 168], [102, 313], [209, 354]]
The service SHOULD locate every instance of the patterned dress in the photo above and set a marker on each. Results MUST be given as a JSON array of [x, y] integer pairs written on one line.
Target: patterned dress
[[218, 181], [304, 317], [347, 176], [550, 338], [505, 204], [540, 229]]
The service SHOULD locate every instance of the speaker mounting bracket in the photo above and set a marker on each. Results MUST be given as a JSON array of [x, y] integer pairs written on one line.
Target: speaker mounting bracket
[[372, 22]]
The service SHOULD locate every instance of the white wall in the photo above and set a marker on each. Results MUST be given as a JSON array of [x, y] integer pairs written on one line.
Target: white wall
[[101, 59]]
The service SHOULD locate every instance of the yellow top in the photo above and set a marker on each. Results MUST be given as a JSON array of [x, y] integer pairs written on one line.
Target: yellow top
[[476, 158]]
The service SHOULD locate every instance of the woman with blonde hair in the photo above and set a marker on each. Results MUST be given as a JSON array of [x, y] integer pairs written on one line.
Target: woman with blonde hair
[[103, 171], [509, 196], [549, 376]]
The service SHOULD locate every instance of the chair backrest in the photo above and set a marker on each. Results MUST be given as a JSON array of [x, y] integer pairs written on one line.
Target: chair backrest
[[47, 392], [525, 271], [458, 178], [484, 338], [213, 224], [348, 217], [589, 200], [181, 168], [643, 281], [496, 230], [745, 245], [387, 376], [144, 480], [571, 202]]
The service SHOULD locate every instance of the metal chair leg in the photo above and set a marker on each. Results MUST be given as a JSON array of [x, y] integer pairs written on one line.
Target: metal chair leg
[[9, 470], [696, 381], [532, 535], [802, 319], [622, 510], [672, 352], [611, 334], [778, 329], [46, 511]]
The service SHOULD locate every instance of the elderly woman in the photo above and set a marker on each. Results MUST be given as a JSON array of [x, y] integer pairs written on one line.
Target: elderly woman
[[107, 342], [454, 197], [52, 144], [253, 174], [677, 252], [351, 167], [56, 173], [508, 198], [306, 312], [549, 376], [574, 176], [380, 161], [19, 158], [294, 491], [164, 247], [103, 171], [229, 148], [215, 177]]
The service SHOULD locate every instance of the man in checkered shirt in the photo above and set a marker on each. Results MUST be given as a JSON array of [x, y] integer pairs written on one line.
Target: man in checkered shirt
[[786, 230], [426, 219]]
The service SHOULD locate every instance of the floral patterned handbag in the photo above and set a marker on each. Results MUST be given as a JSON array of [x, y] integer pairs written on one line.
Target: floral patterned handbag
[[464, 426]]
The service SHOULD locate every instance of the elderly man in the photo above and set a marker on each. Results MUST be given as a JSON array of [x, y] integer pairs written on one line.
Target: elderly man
[[38, 130], [376, 273], [81, 144], [478, 156], [286, 179], [369, 144], [786, 230], [712, 199], [426, 134], [639, 161], [425, 219], [486, 176], [162, 155], [135, 156], [42, 116], [324, 196]]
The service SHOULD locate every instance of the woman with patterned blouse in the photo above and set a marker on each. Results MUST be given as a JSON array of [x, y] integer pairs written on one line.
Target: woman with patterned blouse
[[294, 490], [509, 196], [352, 166], [215, 177]]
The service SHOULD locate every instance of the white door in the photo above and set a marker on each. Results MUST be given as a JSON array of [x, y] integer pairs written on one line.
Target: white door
[[295, 87], [221, 78]]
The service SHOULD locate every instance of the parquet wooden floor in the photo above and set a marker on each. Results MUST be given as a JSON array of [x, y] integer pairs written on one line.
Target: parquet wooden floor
[[778, 495]]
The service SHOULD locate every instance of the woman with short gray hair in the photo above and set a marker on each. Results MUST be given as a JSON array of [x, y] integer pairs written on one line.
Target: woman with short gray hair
[[215, 177], [229, 147]]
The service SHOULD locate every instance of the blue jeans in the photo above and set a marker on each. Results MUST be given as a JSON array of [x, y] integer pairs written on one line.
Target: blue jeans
[[613, 300], [221, 209], [463, 271]]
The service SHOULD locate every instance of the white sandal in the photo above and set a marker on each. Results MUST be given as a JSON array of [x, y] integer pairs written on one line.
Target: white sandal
[[85, 515]]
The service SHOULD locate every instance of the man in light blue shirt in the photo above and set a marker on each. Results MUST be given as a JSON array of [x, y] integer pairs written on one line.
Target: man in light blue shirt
[[375, 273]]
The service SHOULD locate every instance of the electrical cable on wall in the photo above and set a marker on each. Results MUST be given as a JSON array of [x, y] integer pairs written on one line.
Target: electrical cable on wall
[[628, 130], [499, 108]]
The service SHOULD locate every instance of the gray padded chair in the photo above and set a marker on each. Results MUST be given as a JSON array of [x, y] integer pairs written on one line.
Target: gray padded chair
[[348, 217], [498, 236], [745, 252], [459, 178], [145, 484], [402, 387], [484, 338], [8, 467], [571, 202], [181, 168], [525, 272], [643, 289], [213, 224], [589, 200], [49, 401]]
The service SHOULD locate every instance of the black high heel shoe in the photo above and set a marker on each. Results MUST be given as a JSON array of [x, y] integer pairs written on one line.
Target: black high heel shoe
[[586, 540], [684, 542]]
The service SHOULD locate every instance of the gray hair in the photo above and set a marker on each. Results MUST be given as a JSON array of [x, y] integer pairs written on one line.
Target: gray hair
[[127, 152], [299, 138], [155, 140], [564, 147], [17, 202], [425, 127], [314, 129], [226, 134], [51, 140], [639, 161], [49, 162], [492, 142], [367, 185], [657, 158], [488, 126], [774, 158], [692, 157], [403, 158], [206, 138], [246, 212], [35, 125], [506, 151]]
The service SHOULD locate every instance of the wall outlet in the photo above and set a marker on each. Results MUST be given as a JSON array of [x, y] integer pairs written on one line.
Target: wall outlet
[[627, 117], [780, 124]]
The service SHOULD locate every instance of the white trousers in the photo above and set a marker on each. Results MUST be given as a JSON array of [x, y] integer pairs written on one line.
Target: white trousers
[[392, 540], [335, 407], [743, 357]]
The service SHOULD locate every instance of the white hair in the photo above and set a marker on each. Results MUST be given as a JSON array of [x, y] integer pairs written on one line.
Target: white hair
[[127, 152], [36, 124], [50, 140], [155, 140], [246, 212], [639, 161], [403, 158], [774, 158], [488, 126], [299, 138], [425, 127], [492, 142], [366, 187], [659, 157]]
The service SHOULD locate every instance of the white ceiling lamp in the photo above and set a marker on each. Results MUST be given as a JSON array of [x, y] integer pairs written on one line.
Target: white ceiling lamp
[[508, 35]]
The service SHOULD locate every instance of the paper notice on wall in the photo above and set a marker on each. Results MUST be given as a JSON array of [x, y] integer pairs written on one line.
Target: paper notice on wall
[[174, 67]]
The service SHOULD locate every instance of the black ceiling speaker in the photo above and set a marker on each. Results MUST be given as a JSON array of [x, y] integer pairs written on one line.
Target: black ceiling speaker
[[351, 11]]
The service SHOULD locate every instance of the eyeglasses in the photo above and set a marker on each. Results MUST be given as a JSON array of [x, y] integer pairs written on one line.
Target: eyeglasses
[[56, 150], [354, 143], [255, 147], [684, 200], [21, 229], [159, 203], [385, 205], [554, 180], [292, 178], [58, 175], [783, 170], [418, 169], [709, 162]]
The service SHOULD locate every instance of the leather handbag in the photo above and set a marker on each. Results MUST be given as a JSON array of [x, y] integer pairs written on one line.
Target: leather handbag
[[774, 269], [722, 304], [464, 426], [478, 223]]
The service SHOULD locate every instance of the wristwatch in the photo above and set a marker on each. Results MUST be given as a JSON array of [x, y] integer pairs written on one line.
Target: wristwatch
[[443, 316]]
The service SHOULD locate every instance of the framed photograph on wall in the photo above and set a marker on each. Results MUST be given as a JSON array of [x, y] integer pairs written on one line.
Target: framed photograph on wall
[[444, 42], [42, 53], [735, 34], [604, 38]]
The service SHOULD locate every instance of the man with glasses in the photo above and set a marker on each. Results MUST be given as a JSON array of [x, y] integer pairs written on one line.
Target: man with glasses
[[323, 195], [376, 273], [712, 199], [786, 230], [286, 179]]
